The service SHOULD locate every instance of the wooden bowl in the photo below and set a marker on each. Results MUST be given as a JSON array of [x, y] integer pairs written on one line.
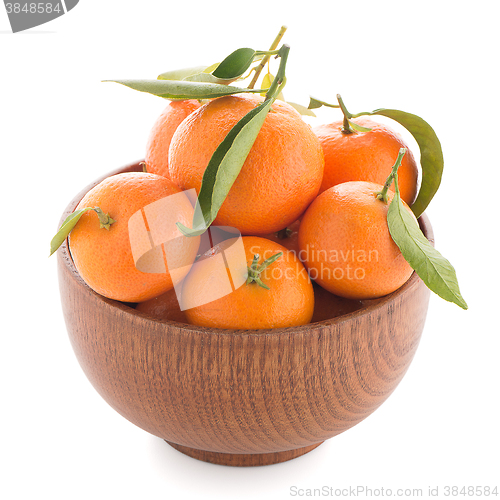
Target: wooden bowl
[[242, 397]]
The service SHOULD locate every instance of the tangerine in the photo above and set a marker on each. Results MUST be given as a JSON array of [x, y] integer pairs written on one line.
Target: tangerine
[[161, 134], [365, 156], [104, 258], [277, 293], [345, 242], [281, 174]]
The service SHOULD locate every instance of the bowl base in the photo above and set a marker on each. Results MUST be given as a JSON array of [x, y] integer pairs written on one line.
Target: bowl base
[[241, 459]]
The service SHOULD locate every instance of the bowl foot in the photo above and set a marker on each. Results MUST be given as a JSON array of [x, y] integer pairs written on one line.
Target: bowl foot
[[241, 459]]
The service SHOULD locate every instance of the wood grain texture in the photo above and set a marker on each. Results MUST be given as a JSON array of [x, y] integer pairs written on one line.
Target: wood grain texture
[[242, 397]]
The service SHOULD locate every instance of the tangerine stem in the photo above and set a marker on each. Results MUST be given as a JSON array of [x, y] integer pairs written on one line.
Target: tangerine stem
[[269, 261], [262, 64], [346, 128], [254, 271], [394, 172], [104, 219], [284, 233]]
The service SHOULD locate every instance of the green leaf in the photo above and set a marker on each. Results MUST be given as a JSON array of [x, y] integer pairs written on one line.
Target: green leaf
[[228, 159], [70, 222], [181, 89], [357, 127], [266, 82], [207, 78], [225, 166], [196, 231], [301, 109], [235, 64], [210, 68], [434, 270], [66, 227], [431, 154], [316, 103], [226, 72], [180, 74], [196, 74]]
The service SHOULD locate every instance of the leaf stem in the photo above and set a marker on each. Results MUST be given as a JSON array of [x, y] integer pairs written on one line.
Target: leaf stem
[[268, 53], [394, 172], [263, 63]]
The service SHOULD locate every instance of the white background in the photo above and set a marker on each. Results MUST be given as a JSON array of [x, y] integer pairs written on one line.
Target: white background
[[60, 128]]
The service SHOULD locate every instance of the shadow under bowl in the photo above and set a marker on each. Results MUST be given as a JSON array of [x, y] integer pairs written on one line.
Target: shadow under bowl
[[242, 397]]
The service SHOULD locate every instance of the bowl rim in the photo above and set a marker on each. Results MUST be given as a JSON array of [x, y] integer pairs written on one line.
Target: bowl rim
[[65, 259]]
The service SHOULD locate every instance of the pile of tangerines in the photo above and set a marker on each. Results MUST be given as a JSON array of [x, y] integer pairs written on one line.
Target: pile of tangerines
[[310, 203]]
